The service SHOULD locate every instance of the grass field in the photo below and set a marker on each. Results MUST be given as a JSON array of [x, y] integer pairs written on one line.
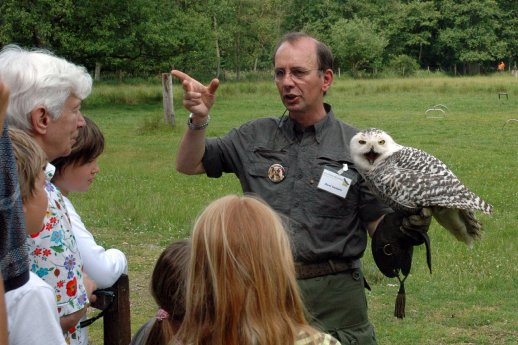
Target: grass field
[[139, 203]]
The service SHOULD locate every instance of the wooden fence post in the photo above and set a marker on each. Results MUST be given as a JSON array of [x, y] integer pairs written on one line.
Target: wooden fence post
[[97, 73], [167, 93], [116, 319]]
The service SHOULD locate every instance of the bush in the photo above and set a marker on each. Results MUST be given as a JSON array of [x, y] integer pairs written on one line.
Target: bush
[[403, 66]]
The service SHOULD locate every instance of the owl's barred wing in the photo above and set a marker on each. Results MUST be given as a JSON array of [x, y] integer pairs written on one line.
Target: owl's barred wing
[[411, 179], [415, 189], [410, 158]]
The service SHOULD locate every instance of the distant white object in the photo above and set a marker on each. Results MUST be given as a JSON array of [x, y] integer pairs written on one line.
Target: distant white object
[[437, 111], [509, 122]]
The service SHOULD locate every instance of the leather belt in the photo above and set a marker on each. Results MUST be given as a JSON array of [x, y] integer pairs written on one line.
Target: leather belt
[[324, 268]]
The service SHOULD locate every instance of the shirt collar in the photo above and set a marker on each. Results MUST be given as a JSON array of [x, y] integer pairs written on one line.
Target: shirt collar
[[49, 171], [321, 125], [288, 125]]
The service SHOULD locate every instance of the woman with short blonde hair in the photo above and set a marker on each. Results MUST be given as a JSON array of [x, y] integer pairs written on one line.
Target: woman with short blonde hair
[[241, 285]]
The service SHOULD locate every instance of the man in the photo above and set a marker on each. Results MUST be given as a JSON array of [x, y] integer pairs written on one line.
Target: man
[[300, 165], [45, 102]]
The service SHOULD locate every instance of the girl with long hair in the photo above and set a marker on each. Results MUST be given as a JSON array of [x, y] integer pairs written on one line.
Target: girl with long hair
[[241, 285], [167, 288]]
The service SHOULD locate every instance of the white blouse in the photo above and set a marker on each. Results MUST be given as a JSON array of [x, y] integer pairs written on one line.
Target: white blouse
[[104, 266]]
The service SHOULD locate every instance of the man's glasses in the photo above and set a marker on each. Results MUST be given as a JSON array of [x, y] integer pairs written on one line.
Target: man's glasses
[[296, 73]]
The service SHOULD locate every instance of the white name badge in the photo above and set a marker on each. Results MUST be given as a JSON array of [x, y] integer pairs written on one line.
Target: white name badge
[[334, 183]]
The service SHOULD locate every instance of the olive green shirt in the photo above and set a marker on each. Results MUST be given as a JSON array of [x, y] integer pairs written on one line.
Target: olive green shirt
[[322, 225]]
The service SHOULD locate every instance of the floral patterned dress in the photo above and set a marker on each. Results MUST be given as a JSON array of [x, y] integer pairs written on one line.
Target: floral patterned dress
[[55, 258]]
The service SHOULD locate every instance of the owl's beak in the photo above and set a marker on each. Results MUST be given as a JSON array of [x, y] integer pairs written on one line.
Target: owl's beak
[[371, 156]]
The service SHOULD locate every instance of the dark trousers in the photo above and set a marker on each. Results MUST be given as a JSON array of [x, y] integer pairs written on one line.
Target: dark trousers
[[337, 305]]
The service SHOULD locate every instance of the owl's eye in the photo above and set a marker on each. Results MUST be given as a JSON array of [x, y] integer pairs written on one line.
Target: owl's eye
[[381, 142], [362, 142]]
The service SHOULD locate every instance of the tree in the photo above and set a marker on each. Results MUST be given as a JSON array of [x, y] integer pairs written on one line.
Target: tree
[[409, 27], [318, 17], [32, 23], [314, 17], [509, 32], [357, 44], [247, 31], [469, 32], [207, 38], [266, 29]]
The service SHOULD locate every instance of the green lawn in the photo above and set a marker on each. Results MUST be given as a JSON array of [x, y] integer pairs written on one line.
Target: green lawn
[[139, 203]]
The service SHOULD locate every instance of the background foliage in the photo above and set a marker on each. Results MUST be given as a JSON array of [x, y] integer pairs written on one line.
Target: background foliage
[[234, 39]]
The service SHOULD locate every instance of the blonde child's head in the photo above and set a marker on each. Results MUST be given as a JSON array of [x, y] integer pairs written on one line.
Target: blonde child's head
[[30, 165], [241, 286]]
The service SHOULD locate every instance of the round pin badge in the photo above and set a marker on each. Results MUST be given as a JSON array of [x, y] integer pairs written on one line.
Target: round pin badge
[[276, 173]]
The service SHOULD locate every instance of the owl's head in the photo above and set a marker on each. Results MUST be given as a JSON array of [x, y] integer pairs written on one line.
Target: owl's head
[[370, 147]]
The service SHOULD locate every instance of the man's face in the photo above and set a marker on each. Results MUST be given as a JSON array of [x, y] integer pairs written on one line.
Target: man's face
[[300, 83], [62, 133]]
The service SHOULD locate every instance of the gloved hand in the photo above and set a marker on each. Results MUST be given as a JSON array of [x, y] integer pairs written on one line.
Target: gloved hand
[[414, 226], [393, 244], [394, 238]]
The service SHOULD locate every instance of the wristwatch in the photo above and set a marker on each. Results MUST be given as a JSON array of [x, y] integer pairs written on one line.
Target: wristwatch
[[195, 126]]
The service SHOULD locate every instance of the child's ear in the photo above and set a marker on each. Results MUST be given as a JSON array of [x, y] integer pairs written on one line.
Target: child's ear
[[40, 120]]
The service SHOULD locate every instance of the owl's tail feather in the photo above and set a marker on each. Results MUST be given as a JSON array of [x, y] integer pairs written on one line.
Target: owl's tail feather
[[473, 225], [460, 223]]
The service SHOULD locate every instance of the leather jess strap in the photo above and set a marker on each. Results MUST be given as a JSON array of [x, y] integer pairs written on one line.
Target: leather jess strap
[[306, 271]]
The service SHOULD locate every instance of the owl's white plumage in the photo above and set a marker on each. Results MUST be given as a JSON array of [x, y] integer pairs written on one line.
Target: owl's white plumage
[[409, 179]]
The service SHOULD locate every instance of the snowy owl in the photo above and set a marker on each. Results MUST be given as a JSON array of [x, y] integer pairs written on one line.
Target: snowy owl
[[409, 179]]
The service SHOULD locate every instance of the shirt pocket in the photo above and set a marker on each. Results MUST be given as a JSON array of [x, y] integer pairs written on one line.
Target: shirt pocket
[[261, 159], [276, 194], [260, 154], [328, 204]]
